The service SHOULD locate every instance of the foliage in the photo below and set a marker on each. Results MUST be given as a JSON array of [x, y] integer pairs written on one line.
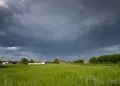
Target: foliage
[[24, 61], [56, 61], [79, 61], [115, 58], [93, 60], [31, 61], [0, 62]]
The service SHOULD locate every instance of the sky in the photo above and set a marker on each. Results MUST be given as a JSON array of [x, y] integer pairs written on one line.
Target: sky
[[64, 29]]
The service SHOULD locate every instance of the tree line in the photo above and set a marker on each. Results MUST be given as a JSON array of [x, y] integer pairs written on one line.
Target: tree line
[[114, 58]]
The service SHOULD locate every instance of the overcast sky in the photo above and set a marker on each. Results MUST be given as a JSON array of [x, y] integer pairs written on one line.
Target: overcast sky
[[67, 29]]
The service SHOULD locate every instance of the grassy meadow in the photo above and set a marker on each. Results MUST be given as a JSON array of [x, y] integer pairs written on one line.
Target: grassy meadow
[[60, 75]]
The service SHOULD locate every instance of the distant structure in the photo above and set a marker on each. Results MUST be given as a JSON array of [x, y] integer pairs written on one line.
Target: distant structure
[[42, 62], [37, 63], [4, 63], [86, 62]]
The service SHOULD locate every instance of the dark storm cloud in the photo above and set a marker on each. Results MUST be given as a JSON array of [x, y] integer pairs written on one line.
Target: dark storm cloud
[[60, 27], [103, 5]]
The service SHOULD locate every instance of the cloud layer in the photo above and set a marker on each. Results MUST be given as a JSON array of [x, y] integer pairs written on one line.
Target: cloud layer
[[64, 28]]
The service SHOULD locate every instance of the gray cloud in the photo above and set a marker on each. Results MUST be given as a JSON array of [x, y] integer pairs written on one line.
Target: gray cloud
[[60, 27], [16, 53]]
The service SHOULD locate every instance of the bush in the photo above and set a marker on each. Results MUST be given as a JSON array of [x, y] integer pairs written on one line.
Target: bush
[[3, 66]]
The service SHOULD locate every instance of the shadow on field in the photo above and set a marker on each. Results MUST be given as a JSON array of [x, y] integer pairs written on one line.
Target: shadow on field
[[3, 66]]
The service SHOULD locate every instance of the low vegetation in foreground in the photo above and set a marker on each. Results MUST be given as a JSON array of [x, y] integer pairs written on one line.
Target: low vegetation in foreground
[[60, 75]]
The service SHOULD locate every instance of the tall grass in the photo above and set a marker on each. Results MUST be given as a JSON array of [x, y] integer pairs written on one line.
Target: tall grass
[[60, 75]]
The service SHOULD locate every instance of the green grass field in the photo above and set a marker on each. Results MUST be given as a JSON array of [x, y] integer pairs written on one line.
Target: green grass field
[[60, 75]]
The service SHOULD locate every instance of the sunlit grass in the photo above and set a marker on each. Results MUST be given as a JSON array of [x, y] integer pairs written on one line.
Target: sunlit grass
[[60, 75]]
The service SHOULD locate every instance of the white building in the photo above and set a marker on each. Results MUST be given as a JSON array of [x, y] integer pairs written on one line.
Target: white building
[[4, 63], [36, 63], [42, 62]]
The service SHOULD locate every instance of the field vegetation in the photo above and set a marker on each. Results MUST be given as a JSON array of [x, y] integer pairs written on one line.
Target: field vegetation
[[60, 75], [99, 71]]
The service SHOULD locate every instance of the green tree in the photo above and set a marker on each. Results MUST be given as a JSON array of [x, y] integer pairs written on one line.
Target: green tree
[[115, 58], [31, 61], [24, 61], [56, 61], [93, 60], [0, 62], [79, 61]]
